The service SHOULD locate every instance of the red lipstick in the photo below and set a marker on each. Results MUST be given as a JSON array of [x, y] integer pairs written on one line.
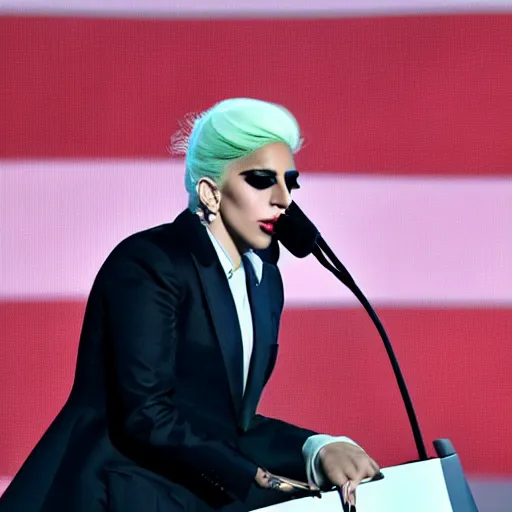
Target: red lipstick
[[267, 225]]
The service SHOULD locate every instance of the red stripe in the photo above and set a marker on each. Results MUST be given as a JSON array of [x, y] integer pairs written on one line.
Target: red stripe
[[392, 94], [332, 375]]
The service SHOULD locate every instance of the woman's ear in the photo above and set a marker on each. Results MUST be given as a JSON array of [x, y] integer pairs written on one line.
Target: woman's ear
[[209, 194]]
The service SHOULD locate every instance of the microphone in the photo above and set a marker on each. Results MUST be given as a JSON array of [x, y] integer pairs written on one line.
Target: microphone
[[301, 237], [296, 232]]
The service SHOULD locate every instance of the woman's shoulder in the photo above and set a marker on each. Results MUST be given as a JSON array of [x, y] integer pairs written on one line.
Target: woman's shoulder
[[159, 248], [162, 237]]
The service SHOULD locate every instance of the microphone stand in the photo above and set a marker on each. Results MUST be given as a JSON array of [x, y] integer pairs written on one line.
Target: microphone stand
[[341, 273]]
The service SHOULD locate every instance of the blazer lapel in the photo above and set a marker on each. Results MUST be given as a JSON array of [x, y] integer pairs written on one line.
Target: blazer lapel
[[219, 299]]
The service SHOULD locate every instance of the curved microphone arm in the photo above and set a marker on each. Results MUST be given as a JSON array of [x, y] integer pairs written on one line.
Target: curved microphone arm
[[338, 269]]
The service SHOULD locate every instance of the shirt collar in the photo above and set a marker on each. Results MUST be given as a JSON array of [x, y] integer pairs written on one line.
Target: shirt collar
[[227, 264]]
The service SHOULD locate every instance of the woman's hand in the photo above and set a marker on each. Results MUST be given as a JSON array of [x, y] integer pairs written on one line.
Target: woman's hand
[[345, 464], [268, 480], [262, 478]]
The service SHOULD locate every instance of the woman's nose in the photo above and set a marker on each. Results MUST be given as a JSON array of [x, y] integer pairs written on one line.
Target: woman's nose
[[281, 196]]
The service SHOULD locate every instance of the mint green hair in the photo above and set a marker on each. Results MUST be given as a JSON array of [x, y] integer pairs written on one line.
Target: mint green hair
[[231, 130]]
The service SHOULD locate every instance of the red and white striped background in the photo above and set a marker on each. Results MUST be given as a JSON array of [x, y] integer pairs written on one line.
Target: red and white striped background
[[407, 170]]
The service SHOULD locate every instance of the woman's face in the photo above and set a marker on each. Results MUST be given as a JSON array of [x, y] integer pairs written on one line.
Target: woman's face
[[257, 189]]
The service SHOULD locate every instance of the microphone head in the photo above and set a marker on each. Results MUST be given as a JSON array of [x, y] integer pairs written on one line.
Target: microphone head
[[296, 232]]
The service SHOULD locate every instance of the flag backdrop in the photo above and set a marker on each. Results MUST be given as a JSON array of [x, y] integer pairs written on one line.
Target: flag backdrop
[[406, 169]]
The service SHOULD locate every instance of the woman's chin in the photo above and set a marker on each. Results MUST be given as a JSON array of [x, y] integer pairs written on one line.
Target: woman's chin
[[261, 242]]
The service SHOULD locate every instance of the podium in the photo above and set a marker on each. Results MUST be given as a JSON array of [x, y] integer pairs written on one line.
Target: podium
[[433, 485]]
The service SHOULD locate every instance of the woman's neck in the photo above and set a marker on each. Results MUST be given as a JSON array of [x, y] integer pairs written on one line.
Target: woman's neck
[[222, 235]]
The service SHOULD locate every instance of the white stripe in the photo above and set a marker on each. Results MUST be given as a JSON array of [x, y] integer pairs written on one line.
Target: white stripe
[[493, 493], [249, 8], [408, 241]]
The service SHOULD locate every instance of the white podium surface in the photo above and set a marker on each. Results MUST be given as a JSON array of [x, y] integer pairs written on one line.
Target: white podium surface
[[418, 487]]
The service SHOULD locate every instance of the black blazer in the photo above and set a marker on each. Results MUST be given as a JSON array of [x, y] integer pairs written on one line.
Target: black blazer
[[156, 419]]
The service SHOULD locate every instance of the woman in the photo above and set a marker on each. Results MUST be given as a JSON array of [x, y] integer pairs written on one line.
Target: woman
[[178, 341]]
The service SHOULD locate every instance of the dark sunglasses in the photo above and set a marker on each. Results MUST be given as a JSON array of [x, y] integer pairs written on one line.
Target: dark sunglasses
[[261, 179]]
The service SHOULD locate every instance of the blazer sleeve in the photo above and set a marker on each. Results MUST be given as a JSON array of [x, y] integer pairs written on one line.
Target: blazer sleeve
[[142, 297], [272, 443], [276, 446]]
